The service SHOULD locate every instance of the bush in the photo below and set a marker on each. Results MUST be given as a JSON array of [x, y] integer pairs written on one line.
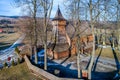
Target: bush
[[17, 50], [13, 62], [5, 64], [19, 61], [22, 60]]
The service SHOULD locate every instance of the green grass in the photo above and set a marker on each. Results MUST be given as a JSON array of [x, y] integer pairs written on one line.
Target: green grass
[[18, 72]]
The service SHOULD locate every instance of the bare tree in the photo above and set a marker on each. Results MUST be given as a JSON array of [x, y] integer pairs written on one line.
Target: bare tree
[[34, 12], [100, 12], [73, 10], [93, 17], [118, 23], [92, 6], [32, 6], [26, 26], [46, 6]]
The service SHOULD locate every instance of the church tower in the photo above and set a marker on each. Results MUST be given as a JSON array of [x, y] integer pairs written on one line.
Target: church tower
[[60, 44], [59, 24]]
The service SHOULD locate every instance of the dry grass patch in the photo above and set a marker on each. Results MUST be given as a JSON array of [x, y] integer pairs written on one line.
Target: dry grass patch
[[105, 52], [18, 72], [6, 40], [118, 54], [9, 37]]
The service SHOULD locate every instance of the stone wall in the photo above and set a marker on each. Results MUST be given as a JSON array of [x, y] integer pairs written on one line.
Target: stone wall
[[40, 72]]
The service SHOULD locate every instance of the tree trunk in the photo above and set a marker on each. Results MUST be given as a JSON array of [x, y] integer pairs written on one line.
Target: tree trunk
[[45, 54], [119, 43], [93, 51], [78, 58], [45, 38], [113, 44], [31, 48], [92, 56], [45, 57], [35, 52], [98, 39], [78, 64], [118, 24], [103, 36], [35, 32], [119, 27]]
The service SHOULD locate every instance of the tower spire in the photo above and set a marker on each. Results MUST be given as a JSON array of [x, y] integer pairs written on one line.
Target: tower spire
[[58, 15], [58, 5]]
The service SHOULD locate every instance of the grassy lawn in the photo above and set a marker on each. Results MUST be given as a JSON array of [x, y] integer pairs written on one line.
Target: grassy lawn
[[107, 52], [6, 40], [18, 72], [118, 54]]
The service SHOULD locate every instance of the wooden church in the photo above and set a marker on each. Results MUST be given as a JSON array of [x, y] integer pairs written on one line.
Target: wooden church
[[60, 46], [61, 42]]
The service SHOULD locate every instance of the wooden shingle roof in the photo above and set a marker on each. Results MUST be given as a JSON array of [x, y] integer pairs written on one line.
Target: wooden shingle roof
[[58, 15], [59, 47]]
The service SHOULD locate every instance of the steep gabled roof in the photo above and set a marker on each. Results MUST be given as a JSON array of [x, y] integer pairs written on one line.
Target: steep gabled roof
[[60, 47], [58, 15]]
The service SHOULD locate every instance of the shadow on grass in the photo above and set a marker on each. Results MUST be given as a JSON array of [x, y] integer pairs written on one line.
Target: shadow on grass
[[95, 64], [65, 72], [88, 64], [103, 75], [116, 60], [4, 45], [64, 60], [2, 36]]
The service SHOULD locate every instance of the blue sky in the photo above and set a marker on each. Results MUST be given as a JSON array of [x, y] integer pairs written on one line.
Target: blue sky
[[7, 8]]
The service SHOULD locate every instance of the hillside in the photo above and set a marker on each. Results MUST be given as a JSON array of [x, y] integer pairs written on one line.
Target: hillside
[[9, 17]]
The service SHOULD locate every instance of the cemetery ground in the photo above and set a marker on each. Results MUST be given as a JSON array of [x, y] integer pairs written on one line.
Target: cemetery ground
[[103, 69], [105, 63], [105, 66]]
